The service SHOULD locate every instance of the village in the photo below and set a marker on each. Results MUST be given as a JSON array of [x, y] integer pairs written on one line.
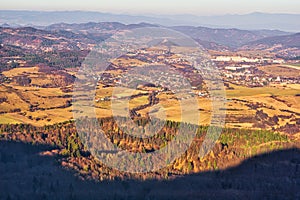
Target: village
[[235, 70]]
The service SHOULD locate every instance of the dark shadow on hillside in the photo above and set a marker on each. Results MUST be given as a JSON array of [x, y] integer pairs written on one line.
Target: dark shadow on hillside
[[25, 174]]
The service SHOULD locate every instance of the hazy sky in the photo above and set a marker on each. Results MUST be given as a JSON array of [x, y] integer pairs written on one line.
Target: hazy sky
[[197, 7]]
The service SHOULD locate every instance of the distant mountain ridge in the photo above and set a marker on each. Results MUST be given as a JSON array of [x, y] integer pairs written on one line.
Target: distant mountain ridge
[[252, 21], [287, 41], [279, 42], [93, 27], [228, 37], [208, 37], [287, 46]]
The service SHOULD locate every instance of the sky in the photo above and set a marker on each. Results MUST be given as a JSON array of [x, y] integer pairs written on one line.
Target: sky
[[195, 7]]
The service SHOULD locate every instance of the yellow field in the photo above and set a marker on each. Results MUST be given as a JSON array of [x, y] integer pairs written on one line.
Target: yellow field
[[281, 70], [241, 91], [20, 101], [241, 108], [21, 71]]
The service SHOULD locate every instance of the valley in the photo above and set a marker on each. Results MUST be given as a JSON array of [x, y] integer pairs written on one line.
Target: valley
[[39, 106]]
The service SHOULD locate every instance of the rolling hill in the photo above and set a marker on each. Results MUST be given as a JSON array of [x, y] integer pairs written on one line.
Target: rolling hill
[[287, 46]]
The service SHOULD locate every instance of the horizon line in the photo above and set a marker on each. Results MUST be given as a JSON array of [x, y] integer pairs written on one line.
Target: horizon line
[[152, 14]]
